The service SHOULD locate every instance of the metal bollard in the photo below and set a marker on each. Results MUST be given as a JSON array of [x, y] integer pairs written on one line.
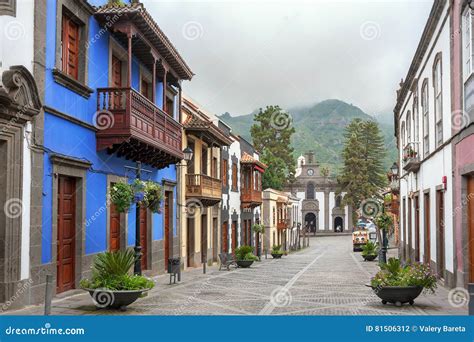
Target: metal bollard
[[470, 288], [265, 253], [48, 296]]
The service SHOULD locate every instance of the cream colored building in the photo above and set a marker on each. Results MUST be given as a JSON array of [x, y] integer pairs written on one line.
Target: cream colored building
[[200, 186], [275, 218]]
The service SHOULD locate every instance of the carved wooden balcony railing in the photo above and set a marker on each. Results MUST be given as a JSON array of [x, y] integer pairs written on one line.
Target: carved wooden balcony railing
[[206, 189], [250, 198], [283, 224], [135, 128]]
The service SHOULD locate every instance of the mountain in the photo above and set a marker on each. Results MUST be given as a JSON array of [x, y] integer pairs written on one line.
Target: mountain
[[320, 128]]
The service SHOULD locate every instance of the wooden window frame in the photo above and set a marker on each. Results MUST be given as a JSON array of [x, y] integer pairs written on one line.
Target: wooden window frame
[[235, 181], [438, 98], [426, 117]]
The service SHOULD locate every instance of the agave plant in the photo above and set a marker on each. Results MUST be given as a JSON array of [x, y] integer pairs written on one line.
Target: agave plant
[[109, 264]]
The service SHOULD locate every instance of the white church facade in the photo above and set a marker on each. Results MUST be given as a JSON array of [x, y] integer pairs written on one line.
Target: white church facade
[[321, 208]]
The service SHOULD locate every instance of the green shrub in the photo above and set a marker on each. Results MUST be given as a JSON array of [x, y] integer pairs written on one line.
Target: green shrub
[[394, 274], [250, 257]]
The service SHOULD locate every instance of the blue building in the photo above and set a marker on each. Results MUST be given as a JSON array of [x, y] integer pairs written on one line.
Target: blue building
[[112, 92]]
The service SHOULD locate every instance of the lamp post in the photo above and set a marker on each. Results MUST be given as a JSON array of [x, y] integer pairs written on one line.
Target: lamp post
[[137, 269], [188, 155]]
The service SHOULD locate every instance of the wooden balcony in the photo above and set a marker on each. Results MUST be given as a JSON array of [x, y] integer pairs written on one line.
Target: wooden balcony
[[135, 128], [250, 198], [206, 189]]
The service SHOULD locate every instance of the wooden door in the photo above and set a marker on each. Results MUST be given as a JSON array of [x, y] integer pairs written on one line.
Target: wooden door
[[417, 228], [470, 225], [427, 254], [116, 80], [166, 239], [215, 239], [144, 237], [225, 237], [440, 244], [234, 236], [114, 234], [405, 238], [410, 233], [66, 234], [190, 242], [145, 89]]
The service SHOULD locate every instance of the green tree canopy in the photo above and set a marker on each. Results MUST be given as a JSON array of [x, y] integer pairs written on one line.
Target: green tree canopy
[[271, 135]]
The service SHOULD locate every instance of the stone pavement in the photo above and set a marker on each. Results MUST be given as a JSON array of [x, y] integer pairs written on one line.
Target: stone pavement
[[325, 279]]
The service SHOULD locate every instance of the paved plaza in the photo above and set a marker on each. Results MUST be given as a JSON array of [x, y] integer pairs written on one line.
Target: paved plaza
[[325, 279]]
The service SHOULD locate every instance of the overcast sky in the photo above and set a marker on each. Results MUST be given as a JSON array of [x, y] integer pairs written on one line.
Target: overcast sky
[[249, 54]]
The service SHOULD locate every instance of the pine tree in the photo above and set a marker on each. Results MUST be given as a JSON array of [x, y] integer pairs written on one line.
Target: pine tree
[[362, 175], [271, 135]]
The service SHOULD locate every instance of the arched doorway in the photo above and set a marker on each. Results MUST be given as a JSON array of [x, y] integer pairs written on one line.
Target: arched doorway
[[310, 221], [338, 224]]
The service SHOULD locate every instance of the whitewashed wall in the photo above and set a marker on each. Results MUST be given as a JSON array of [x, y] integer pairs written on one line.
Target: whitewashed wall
[[440, 164]]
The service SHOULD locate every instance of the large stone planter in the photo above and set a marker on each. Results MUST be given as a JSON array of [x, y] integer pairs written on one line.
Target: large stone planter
[[104, 298], [244, 263], [398, 295]]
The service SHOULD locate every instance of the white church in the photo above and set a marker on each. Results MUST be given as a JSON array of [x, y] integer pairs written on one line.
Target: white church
[[321, 210]]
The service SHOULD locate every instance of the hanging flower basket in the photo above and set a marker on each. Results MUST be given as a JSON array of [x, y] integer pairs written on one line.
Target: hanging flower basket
[[149, 194], [121, 195], [153, 196]]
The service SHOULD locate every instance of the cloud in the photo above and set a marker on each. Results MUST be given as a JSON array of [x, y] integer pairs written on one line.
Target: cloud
[[248, 54]]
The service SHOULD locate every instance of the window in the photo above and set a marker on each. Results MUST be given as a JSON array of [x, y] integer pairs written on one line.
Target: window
[[234, 176], [70, 46], [273, 215], [214, 167], [204, 160], [416, 118], [438, 98], [409, 127], [403, 134], [338, 201], [224, 172], [147, 89], [426, 116], [466, 43]]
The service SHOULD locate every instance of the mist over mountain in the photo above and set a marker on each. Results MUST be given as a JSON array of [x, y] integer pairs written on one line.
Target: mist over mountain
[[320, 127]]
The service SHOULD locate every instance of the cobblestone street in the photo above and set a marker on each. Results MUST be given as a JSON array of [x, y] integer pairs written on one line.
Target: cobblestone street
[[325, 279]]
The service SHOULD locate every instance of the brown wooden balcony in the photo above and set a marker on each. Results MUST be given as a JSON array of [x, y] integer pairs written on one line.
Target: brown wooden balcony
[[206, 189], [250, 198], [135, 128]]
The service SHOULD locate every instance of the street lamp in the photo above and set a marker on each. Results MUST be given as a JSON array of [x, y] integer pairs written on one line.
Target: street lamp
[[188, 153], [394, 170]]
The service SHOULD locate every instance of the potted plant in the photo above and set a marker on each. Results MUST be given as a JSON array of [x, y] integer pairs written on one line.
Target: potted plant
[[111, 284], [370, 251], [244, 256], [277, 252], [121, 195], [153, 196], [399, 284]]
